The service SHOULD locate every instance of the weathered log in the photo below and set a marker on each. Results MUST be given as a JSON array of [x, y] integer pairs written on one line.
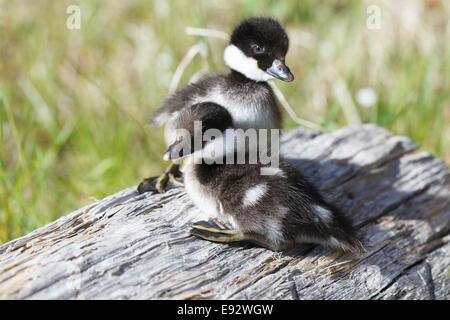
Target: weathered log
[[131, 246]]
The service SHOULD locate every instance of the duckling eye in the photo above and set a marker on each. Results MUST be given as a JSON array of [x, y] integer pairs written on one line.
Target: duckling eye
[[257, 49]]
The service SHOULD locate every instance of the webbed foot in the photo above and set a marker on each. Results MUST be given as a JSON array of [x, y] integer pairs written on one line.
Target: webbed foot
[[171, 176], [213, 230]]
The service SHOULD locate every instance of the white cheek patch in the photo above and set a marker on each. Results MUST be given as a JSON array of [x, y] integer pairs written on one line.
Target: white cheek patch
[[237, 60], [254, 194]]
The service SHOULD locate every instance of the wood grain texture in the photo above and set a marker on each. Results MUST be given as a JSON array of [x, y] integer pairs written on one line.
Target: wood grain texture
[[131, 246]]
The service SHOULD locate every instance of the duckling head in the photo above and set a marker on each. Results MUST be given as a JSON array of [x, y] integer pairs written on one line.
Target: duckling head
[[257, 49], [197, 128]]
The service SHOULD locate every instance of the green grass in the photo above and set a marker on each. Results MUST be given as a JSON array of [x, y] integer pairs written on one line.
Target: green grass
[[73, 103]]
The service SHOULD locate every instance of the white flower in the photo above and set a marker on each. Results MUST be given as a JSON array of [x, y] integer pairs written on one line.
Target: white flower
[[366, 97]]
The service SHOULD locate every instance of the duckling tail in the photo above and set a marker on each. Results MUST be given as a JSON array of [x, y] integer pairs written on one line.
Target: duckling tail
[[337, 229], [350, 244]]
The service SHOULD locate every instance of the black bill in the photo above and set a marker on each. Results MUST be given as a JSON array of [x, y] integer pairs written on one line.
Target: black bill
[[280, 71]]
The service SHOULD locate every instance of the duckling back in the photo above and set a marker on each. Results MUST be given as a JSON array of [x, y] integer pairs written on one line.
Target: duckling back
[[285, 208]]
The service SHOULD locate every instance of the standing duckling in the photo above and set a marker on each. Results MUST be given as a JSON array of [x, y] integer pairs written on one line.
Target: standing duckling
[[275, 211], [255, 54]]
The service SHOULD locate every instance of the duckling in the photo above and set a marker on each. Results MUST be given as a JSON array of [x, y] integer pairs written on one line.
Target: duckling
[[239, 204], [255, 54]]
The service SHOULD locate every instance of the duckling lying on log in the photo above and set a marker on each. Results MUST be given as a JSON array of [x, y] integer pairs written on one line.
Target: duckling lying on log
[[276, 210]]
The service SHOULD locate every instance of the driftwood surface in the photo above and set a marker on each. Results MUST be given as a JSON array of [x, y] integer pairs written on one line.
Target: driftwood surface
[[131, 246]]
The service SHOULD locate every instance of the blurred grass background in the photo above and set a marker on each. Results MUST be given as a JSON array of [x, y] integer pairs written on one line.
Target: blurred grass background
[[73, 103]]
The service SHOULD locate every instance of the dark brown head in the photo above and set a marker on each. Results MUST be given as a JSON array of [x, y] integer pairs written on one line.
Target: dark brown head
[[196, 126], [257, 49]]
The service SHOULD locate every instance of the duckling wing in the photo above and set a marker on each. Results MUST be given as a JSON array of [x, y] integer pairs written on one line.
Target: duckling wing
[[284, 207], [312, 219], [182, 98]]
